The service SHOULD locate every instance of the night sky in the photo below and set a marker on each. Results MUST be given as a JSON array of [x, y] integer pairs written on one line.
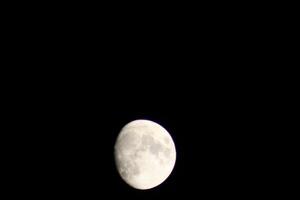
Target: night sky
[[70, 147], [70, 129], [200, 86]]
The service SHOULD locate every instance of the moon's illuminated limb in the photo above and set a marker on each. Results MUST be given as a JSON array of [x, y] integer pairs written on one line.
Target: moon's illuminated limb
[[145, 154]]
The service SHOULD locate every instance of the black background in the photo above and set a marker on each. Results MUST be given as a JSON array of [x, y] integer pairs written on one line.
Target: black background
[[197, 74], [67, 133]]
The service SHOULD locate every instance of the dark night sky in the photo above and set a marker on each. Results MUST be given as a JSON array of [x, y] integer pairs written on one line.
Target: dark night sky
[[72, 134], [200, 85], [70, 118]]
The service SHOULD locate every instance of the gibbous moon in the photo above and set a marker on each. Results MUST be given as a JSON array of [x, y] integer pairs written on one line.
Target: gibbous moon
[[145, 154]]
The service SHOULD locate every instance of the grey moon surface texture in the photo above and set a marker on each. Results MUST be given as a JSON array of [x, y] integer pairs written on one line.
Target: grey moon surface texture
[[145, 154]]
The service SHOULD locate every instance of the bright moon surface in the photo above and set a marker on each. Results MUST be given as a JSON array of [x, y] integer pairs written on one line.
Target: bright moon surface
[[145, 154]]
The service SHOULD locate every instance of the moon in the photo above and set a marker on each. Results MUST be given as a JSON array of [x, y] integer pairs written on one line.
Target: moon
[[145, 154]]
